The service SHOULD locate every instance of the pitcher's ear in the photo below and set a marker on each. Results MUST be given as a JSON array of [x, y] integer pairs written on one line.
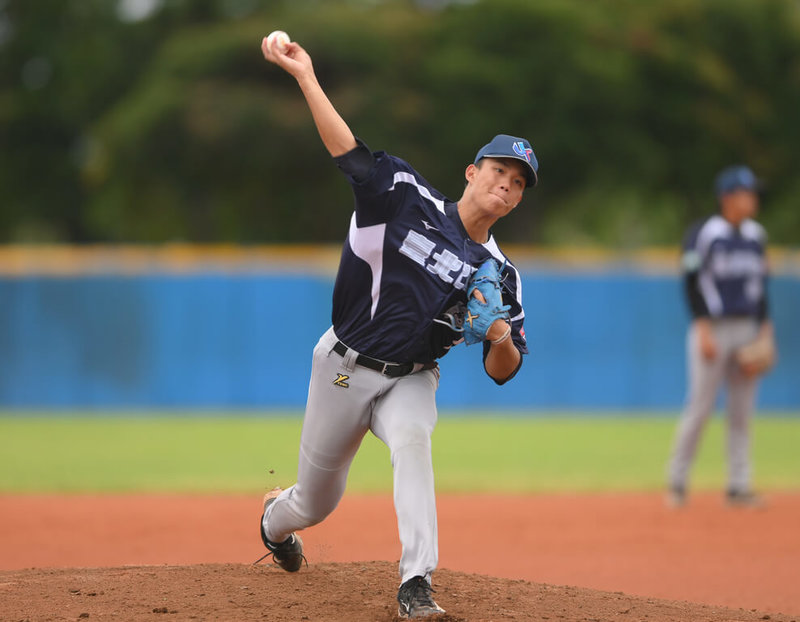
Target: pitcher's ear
[[469, 173]]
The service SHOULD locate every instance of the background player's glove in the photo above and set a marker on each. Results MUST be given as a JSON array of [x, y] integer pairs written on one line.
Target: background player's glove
[[758, 356], [481, 315]]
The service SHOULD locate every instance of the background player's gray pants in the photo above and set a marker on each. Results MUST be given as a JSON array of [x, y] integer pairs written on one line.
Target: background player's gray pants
[[344, 402], [705, 379]]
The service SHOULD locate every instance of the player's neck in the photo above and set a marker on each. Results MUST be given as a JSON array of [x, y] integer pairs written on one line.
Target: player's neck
[[475, 223], [734, 218]]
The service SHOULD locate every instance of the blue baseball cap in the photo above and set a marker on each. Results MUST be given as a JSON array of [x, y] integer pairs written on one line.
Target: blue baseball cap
[[505, 146], [734, 178]]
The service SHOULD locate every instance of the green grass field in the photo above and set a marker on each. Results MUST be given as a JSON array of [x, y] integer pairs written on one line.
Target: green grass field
[[216, 453]]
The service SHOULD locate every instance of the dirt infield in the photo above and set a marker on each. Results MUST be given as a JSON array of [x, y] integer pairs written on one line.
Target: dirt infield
[[625, 557]]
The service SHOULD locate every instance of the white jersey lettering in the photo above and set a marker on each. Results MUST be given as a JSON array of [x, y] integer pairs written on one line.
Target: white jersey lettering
[[445, 263], [417, 247]]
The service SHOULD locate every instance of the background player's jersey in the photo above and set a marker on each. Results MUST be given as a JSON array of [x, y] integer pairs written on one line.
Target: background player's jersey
[[406, 261], [726, 268]]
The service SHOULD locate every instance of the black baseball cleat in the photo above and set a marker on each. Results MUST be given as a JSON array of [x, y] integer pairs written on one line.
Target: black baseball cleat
[[676, 497], [743, 499], [287, 554], [415, 599]]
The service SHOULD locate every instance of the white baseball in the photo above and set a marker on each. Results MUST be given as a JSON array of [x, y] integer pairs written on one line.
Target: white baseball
[[279, 40]]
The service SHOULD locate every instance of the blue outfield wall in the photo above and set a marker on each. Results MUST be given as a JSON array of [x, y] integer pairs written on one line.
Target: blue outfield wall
[[608, 340]]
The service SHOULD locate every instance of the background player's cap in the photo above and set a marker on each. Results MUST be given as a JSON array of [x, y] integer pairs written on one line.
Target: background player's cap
[[734, 178], [505, 146]]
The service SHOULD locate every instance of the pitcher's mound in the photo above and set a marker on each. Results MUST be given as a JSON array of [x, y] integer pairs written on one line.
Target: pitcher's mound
[[341, 592]]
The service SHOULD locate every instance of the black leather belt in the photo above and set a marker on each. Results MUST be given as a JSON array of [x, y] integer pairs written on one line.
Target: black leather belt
[[392, 370]]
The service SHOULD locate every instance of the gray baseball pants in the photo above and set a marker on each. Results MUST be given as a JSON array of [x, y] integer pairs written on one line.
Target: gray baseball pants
[[345, 401], [705, 378]]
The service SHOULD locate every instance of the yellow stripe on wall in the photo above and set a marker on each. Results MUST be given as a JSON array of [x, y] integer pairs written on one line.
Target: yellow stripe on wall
[[65, 260], [19, 260]]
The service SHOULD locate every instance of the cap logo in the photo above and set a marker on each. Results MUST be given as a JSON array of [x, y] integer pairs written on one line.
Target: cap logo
[[520, 150]]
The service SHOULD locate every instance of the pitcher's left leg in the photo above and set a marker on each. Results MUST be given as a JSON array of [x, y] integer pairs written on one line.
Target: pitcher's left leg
[[404, 419]]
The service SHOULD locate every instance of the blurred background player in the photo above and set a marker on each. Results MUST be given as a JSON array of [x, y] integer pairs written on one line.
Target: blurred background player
[[725, 269], [400, 289]]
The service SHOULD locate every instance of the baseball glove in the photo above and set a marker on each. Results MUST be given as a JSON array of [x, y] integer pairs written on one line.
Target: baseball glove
[[758, 356], [481, 314]]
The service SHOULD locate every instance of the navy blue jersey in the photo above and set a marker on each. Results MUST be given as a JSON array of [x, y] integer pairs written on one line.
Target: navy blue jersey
[[726, 268], [406, 261]]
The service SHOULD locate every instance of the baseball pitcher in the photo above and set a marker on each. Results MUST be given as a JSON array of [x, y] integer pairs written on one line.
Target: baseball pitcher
[[418, 274]]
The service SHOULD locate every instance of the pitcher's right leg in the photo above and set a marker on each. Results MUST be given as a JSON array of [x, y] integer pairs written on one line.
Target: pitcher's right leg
[[336, 419]]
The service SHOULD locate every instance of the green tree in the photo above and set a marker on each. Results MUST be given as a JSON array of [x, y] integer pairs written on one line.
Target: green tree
[[172, 127]]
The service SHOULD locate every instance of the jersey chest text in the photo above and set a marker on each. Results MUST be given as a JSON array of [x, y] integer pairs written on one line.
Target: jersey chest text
[[436, 259], [736, 263]]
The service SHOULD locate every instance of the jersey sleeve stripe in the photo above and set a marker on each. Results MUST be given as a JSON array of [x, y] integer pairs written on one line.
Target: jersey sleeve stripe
[[402, 177], [710, 294]]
